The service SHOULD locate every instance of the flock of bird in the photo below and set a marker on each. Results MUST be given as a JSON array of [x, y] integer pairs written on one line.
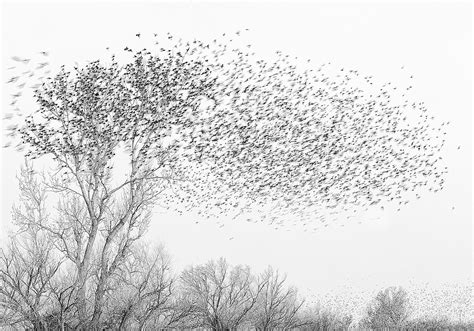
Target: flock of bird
[[277, 139], [29, 77], [452, 302]]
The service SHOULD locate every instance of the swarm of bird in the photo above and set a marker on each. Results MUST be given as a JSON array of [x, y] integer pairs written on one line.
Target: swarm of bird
[[237, 135]]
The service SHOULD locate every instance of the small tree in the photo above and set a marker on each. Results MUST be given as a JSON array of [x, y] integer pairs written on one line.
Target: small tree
[[223, 296], [389, 309], [28, 265], [323, 318], [278, 305], [143, 289], [26, 268], [62, 293], [429, 323]]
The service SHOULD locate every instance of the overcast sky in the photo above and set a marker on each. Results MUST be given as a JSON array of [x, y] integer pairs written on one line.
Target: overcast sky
[[427, 241]]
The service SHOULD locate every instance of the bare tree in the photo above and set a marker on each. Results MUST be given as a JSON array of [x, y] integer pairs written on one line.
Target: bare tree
[[142, 290], [24, 275], [389, 309], [61, 291], [429, 323], [28, 264], [278, 305], [223, 296], [323, 318], [83, 122]]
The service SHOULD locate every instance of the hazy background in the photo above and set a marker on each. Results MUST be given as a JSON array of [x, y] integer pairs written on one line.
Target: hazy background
[[427, 241]]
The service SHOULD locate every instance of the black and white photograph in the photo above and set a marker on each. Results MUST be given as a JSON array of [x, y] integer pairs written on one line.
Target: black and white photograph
[[236, 165]]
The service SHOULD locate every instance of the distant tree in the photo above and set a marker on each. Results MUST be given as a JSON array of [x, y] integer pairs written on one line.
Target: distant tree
[[143, 288], [389, 309], [25, 272], [278, 305], [61, 291], [323, 318], [428, 323], [28, 265], [223, 296]]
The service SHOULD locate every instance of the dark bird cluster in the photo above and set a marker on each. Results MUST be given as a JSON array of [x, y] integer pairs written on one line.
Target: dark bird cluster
[[298, 142], [234, 134]]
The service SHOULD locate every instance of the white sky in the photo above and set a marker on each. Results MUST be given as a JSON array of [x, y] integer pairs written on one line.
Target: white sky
[[427, 241]]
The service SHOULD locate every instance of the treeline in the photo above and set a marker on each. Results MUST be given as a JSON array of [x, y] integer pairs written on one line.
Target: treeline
[[146, 295], [38, 291]]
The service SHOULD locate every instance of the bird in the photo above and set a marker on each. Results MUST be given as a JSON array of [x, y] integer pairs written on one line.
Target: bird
[[13, 79], [42, 65]]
